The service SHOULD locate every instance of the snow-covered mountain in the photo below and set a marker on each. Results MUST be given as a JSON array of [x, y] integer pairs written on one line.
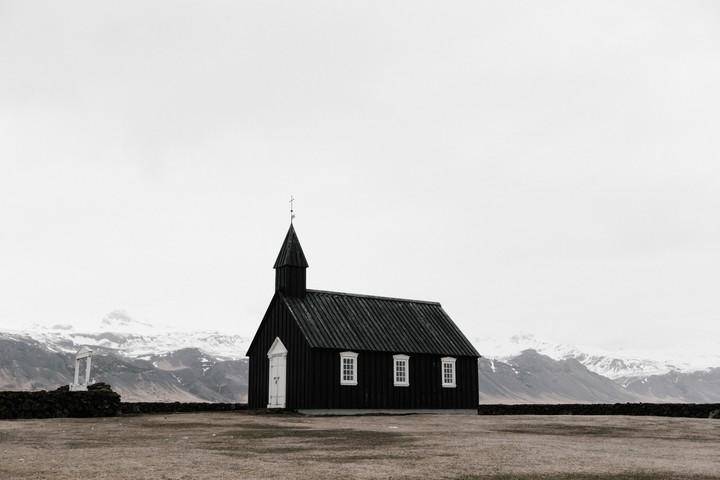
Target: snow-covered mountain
[[531, 377], [142, 362], [186, 375], [149, 362], [619, 365], [118, 332], [700, 387]]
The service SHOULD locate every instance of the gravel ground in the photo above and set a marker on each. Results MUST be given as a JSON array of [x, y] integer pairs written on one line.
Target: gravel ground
[[241, 445]]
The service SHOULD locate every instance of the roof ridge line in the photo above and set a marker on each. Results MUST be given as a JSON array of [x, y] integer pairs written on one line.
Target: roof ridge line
[[378, 297]]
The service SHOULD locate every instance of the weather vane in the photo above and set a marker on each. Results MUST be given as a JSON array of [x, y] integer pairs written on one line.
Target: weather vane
[[292, 212]]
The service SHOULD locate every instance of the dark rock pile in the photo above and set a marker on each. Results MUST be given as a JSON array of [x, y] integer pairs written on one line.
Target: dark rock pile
[[178, 407], [98, 401], [689, 410]]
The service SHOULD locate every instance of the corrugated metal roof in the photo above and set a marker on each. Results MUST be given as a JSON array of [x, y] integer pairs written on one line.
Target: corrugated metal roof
[[291, 253], [363, 322]]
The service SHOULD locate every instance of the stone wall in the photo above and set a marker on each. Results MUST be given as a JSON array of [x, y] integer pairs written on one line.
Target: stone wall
[[178, 407], [690, 410], [101, 401], [98, 401]]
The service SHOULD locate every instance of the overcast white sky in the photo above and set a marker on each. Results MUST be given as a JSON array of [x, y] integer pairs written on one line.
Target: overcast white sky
[[544, 167]]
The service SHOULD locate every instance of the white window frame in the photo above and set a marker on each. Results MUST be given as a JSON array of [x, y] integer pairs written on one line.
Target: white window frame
[[353, 356], [448, 361], [401, 358]]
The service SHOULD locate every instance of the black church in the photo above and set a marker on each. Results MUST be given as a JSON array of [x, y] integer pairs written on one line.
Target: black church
[[321, 350]]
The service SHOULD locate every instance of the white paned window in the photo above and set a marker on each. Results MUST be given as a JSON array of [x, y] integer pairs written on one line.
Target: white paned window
[[401, 370], [447, 371], [348, 368]]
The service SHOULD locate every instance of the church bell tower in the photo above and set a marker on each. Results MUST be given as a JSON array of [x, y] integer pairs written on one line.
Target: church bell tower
[[290, 266]]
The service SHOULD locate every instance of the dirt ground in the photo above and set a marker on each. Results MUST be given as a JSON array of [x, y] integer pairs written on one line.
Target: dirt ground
[[241, 445]]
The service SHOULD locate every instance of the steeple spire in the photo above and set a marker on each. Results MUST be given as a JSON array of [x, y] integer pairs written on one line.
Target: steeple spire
[[290, 274], [291, 253]]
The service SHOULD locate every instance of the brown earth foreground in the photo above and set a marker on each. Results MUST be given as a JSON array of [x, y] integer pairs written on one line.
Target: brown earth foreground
[[242, 445]]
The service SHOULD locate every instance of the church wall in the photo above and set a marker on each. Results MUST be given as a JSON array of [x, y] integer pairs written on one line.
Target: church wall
[[278, 323], [375, 387]]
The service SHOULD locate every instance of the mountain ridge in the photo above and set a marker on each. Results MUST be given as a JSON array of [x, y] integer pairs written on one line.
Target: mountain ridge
[[613, 365], [145, 362]]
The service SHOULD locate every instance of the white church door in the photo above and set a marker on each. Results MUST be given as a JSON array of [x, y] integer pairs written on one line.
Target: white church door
[[277, 358]]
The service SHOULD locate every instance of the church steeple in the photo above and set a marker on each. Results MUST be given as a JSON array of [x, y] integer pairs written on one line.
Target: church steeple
[[290, 266]]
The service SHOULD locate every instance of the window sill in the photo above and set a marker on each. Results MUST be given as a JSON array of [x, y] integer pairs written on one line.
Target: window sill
[[449, 386], [401, 385], [348, 384]]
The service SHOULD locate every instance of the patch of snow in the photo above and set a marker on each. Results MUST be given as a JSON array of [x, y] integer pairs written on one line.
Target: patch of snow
[[615, 365], [120, 333]]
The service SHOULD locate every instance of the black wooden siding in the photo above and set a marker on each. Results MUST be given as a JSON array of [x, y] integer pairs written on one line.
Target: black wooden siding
[[375, 387], [313, 374], [290, 281], [279, 323]]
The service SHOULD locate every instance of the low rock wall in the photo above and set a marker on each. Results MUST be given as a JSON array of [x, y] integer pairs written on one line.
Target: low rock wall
[[59, 403], [101, 401], [178, 407], [690, 410]]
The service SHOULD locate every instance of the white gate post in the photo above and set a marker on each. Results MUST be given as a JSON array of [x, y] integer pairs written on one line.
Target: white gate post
[[77, 371], [87, 372], [76, 386]]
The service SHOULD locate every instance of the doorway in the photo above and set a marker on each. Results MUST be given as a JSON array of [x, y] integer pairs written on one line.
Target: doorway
[[277, 359]]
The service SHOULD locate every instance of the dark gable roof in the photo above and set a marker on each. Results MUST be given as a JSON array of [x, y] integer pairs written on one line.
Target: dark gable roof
[[291, 254], [363, 322]]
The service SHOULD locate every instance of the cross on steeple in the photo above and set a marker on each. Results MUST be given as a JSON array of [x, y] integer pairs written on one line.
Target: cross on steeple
[[292, 212]]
